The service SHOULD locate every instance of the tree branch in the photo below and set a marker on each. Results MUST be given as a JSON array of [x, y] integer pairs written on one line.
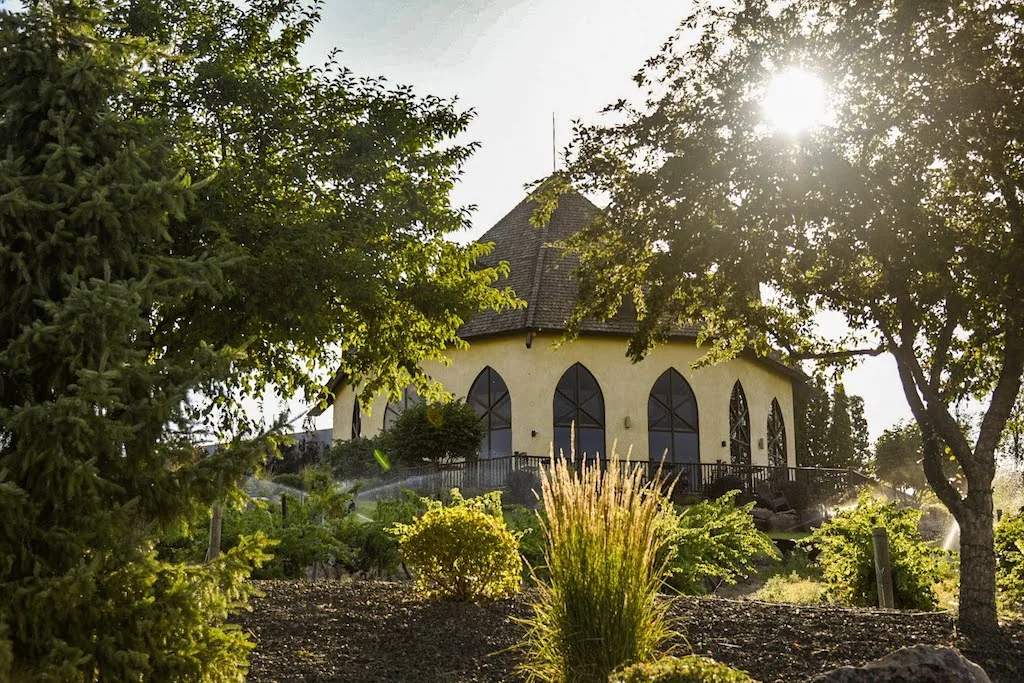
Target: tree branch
[[835, 355], [930, 448], [1004, 395], [941, 349]]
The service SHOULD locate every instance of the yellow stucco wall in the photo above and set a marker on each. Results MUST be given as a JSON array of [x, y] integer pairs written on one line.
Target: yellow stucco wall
[[532, 374]]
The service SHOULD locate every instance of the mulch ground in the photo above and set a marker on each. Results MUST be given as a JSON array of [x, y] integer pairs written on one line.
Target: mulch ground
[[378, 631]]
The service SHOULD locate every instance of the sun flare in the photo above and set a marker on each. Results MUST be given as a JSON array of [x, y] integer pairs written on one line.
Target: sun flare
[[795, 101]]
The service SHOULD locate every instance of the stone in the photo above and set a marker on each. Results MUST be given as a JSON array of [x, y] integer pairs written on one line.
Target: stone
[[917, 664], [763, 514], [784, 521]]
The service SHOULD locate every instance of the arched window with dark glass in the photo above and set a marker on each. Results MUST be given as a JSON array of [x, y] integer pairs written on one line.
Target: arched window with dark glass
[[672, 426], [739, 427], [490, 399], [391, 413], [776, 436], [578, 402], [357, 417]]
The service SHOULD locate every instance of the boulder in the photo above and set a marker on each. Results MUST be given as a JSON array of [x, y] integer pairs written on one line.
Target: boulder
[[762, 514], [784, 521], [917, 664]]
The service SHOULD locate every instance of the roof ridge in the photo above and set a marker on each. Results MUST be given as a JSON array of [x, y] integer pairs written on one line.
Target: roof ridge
[[538, 273]]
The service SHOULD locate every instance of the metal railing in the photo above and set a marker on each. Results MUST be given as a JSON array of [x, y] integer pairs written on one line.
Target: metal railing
[[804, 486]]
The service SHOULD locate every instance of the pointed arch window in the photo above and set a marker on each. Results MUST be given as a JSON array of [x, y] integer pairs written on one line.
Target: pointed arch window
[[672, 422], [409, 398], [776, 436], [357, 417], [739, 427], [490, 399], [579, 403]]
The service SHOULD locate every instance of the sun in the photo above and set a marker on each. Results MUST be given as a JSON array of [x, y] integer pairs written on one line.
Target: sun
[[795, 101]]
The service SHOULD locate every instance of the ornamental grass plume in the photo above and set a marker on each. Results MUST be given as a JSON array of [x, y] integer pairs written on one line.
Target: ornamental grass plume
[[599, 608]]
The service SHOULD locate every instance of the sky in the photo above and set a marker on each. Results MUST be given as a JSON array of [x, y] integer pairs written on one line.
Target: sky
[[515, 63]]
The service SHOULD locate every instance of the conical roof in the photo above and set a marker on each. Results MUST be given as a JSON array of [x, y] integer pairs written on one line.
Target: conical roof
[[540, 274]]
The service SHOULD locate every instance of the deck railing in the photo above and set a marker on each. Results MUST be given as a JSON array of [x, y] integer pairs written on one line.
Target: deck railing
[[804, 486]]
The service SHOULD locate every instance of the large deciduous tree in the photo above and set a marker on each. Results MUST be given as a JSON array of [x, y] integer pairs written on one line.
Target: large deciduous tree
[[133, 302], [332, 189], [903, 211]]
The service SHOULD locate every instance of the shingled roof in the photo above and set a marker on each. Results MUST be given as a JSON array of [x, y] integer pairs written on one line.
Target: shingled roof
[[541, 275]]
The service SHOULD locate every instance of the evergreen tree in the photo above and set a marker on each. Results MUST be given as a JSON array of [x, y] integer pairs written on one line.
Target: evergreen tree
[[831, 429], [96, 453], [812, 408]]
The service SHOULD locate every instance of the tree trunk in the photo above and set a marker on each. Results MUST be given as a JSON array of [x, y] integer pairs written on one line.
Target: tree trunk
[[977, 562], [216, 520]]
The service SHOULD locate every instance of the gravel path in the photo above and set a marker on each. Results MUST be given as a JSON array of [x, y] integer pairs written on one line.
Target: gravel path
[[378, 631]]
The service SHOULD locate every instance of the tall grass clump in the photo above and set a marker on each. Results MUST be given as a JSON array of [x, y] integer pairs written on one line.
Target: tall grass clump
[[597, 608]]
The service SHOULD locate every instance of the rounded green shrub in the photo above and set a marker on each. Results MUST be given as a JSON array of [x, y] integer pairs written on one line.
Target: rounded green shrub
[[462, 551], [689, 669], [1009, 547], [437, 432], [846, 555]]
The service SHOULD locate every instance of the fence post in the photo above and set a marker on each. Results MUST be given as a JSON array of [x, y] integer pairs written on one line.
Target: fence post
[[883, 569]]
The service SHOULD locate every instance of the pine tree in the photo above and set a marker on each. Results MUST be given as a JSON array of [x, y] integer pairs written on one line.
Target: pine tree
[[812, 409], [96, 454]]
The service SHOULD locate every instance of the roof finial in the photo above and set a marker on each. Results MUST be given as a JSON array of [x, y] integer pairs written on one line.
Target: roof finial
[[554, 157]]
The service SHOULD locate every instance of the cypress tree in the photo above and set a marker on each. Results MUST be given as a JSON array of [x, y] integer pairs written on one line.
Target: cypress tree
[[96, 420]]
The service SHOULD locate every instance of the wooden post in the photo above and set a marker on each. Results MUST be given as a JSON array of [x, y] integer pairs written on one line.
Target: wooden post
[[883, 569], [216, 522]]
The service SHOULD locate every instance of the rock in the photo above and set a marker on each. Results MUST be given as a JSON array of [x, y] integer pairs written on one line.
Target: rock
[[784, 521], [917, 664], [762, 514]]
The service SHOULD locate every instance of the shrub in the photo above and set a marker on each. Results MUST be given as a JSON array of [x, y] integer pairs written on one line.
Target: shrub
[[793, 589], [522, 488], [526, 525], [712, 542], [690, 669], [374, 548], [295, 457], [355, 458], [439, 432], [719, 486], [598, 610], [293, 480], [847, 557], [1009, 548], [462, 551]]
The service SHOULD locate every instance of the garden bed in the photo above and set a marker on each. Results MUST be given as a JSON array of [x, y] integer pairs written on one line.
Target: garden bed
[[377, 631]]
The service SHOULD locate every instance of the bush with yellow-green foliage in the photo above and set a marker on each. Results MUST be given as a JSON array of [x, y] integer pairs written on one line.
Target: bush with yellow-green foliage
[[597, 608], [689, 669], [846, 555], [462, 551], [712, 542], [1009, 546]]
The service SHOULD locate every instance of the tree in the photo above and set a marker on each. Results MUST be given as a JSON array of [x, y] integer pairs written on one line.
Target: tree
[[812, 408], [831, 430], [903, 212], [135, 305], [438, 432], [898, 457], [331, 190], [96, 459]]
